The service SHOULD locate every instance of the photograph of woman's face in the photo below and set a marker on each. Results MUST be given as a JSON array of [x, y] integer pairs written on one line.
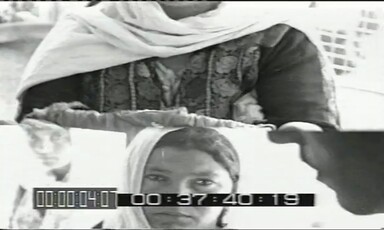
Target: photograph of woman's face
[[184, 171]]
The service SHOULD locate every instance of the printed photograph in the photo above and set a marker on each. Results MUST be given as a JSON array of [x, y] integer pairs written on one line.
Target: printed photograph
[[241, 178]]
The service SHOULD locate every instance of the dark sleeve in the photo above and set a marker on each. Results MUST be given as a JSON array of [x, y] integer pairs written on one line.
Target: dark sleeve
[[66, 89], [292, 86], [98, 226]]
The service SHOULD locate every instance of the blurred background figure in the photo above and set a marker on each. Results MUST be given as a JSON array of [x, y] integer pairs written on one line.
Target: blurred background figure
[[351, 164], [52, 149], [22, 27], [49, 11]]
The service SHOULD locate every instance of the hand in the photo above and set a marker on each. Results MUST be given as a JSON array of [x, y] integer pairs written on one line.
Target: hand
[[293, 132], [300, 126], [176, 118], [50, 112]]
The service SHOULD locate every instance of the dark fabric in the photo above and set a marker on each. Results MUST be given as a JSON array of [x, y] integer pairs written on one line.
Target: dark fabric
[[351, 163], [98, 226], [292, 86], [62, 90], [281, 64]]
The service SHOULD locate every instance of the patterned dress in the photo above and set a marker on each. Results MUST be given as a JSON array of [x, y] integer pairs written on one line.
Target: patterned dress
[[280, 67]]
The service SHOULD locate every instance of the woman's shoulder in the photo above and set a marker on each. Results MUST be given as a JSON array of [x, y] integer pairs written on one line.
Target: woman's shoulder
[[269, 38]]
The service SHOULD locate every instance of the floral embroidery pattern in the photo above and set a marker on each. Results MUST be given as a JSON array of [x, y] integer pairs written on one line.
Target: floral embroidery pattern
[[251, 54], [115, 91], [198, 62], [192, 94], [225, 83], [226, 64], [142, 70], [221, 107], [146, 90], [224, 87], [118, 72], [232, 67], [148, 93], [229, 46]]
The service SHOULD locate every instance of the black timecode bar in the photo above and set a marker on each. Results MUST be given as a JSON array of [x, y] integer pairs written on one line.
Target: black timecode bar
[[217, 199]]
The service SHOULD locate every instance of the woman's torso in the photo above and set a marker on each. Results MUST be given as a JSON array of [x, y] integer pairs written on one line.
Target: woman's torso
[[280, 66], [207, 81]]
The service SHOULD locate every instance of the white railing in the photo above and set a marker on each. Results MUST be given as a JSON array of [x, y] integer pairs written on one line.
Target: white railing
[[346, 45]]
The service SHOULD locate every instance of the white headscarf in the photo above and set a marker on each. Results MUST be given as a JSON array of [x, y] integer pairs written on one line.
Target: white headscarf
[[114, 33], [138, 152]]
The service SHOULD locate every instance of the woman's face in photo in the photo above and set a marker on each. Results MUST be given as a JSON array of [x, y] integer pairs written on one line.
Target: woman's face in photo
[[184, 171]]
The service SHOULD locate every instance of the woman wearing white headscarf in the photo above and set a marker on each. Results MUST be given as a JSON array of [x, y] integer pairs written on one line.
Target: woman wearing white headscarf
[[227, 60], [183, 161]]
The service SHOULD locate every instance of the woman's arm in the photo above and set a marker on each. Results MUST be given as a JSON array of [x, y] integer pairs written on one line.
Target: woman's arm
[[64, 115], [292, 86]]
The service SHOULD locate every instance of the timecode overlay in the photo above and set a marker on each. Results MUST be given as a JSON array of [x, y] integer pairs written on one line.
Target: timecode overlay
[[74, 198], [217, 199], [108, 198]]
